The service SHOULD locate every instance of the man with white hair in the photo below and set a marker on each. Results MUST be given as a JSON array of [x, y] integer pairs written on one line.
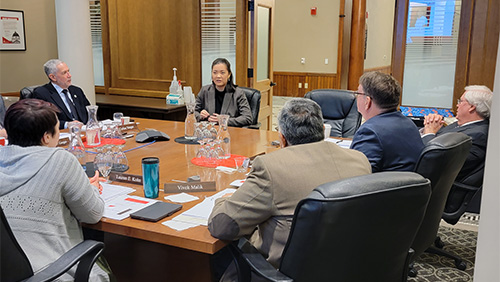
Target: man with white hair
[[473, 114], [68, 98]]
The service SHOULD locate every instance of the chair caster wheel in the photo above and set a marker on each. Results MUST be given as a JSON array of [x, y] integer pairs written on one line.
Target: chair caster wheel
[[412, 272], [461, 265], [438, 243]]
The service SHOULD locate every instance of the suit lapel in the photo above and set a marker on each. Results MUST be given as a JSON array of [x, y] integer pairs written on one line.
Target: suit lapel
[[211, 100], [74, 96], [227, 101]]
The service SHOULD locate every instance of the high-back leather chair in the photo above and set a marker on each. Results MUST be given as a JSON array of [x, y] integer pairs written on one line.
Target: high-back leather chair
[[253, 97], [339, 110], [15, 266], [440, 162], [27, 92], [356, 229]]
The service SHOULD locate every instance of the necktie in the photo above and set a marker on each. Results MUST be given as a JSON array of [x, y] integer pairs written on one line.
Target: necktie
[[72, 108]]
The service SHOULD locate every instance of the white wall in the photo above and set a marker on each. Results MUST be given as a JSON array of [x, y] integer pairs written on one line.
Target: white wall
[[488, 245]]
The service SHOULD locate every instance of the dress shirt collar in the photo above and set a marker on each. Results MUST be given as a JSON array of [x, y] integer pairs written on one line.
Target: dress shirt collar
[[471, 122]]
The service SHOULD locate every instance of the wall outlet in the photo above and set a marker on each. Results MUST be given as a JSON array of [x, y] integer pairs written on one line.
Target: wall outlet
[[300, 84], [302, 60], [326, 61], [306, 85]]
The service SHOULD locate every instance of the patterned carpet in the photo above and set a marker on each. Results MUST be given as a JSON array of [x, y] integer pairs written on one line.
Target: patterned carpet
[[433, 267]]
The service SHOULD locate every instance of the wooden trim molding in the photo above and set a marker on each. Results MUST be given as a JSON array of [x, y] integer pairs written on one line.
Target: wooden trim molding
[[287, 83], [382, 69], [10, 94]]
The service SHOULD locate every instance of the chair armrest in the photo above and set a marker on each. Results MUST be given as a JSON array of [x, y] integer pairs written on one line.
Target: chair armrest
[[466, 187], [84, 253], [258, 264]]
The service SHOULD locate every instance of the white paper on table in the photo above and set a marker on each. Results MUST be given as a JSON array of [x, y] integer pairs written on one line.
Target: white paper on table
[[238, 182], [181, 198], [178, 225], [225, 169], [109, 191], [198, 215], [64, 135], [340, 142], [122, 206]]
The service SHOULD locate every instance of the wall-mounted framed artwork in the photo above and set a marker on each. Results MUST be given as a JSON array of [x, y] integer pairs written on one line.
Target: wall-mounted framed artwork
[[12, 30]]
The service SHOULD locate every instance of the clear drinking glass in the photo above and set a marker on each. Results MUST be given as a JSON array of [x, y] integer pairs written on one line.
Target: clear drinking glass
[[104, 161], [223, 135], [117, 117], [75, 143]]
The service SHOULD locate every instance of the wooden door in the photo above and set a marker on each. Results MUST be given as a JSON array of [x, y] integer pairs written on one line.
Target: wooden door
[[260, 36]]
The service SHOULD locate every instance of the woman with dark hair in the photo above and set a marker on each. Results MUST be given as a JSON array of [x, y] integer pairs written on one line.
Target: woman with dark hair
[[44, 191], [223, 97]]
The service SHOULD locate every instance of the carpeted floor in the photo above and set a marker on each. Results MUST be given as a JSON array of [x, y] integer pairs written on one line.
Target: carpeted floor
[[433, 267]]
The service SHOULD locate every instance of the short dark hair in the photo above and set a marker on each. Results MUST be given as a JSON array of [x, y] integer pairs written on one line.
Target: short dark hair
[[301, 121], [230, 86], [382, 88], [27, 120]]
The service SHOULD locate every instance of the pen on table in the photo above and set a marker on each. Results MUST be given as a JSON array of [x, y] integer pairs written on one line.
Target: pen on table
[[122, 212], [180, 181]]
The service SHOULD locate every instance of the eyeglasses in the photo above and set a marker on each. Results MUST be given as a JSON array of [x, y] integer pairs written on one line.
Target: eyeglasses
[[460, 101], [356, 94]]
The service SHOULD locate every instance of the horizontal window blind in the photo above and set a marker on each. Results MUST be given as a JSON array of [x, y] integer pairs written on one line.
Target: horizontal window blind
[[431, 50], [218, 34]]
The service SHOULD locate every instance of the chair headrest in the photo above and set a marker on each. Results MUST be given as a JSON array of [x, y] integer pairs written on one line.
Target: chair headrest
[[334, 103], [27, 92], [367, 184]]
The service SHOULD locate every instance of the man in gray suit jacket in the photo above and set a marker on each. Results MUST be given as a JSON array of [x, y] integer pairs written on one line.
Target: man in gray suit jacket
[[473, 114], [263, 206]]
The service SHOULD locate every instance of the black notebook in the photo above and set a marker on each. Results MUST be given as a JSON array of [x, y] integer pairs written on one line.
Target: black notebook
[[156, 211]]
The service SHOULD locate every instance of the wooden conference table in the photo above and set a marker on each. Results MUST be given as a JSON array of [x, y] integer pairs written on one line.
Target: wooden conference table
[[143, 251]]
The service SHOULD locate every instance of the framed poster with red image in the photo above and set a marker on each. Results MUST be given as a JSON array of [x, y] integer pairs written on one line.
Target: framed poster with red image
[[12, 30]]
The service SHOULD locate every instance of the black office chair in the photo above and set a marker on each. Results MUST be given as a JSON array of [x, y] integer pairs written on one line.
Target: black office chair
[[253, 97], [15, 266], [27, 92], [440, 162], [464, 196], [339, 110], [342, 230]]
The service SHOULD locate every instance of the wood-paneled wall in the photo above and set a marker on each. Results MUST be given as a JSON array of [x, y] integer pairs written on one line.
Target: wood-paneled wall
[[293, 84], [287, 83], [147, 39]]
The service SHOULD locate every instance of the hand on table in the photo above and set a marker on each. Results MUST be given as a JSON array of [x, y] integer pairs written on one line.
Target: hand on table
[[95, 181], [204, 114], [432, 123], [213, 118]]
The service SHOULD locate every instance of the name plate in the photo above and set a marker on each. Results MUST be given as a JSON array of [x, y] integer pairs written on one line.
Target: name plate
[[127, 127], [63, 142], [189, 187], [127, 178]]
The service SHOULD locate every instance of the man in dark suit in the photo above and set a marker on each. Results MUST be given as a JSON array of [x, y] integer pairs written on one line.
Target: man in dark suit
[[69, 98], [473, 113], [389, 140]]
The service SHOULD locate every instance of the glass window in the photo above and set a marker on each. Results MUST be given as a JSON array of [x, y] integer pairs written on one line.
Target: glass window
[[96, 32], [218, 35], [431, 50]]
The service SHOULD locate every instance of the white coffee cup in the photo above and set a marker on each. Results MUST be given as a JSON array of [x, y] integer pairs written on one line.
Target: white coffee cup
[[328, 129]]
